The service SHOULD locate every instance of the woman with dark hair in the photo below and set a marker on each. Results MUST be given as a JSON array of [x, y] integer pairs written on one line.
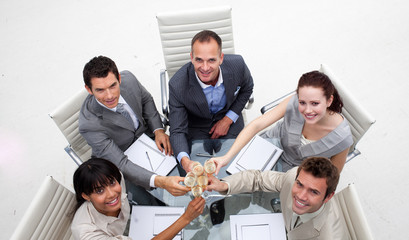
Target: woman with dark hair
[[102, 209], [312, 125]]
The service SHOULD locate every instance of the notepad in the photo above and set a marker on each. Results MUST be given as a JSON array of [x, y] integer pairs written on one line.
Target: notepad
[[149, 221], [161, 221], [257, 226], [258, 154], [146, 154]]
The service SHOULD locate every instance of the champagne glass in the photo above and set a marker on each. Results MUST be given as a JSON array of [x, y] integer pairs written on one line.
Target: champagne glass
[[197, 191], [210, 166], [202, 181], [197, 168], [190, 179]]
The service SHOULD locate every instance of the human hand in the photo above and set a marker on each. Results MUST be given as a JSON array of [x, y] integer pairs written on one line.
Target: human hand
[[195, 208], [187, 164], [221, 127], [216, 184], [171, 184], [162, 142], [220, 162]]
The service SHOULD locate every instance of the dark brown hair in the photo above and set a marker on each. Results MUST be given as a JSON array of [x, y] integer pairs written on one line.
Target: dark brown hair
[[320, 80], [321, 167]]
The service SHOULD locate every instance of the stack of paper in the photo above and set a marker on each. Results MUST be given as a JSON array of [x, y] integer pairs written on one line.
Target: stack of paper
[[258, 154], [146, 154]]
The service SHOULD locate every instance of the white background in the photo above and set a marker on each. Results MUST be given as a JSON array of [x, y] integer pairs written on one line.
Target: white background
[[44, 45]]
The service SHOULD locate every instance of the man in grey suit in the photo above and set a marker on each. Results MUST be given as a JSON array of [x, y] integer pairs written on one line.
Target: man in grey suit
[[117, 111], [305, 193], [207, 96]]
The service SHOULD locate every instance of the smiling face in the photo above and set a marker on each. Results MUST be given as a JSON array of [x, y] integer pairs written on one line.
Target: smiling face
[[105, 89], [308, 193], [312, 103], [106, 200], [206, 58]]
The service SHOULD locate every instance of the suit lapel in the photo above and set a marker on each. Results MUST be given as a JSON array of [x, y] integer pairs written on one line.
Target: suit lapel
[[304, 231], [110, 117], [230, 85], [196, 93], [132, 102]]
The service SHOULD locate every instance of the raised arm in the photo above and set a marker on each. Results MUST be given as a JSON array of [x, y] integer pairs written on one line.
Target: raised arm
[[339, 159], [194, 209], [250, 131]]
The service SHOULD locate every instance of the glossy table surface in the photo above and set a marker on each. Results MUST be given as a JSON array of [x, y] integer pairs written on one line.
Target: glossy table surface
[[246, 203]]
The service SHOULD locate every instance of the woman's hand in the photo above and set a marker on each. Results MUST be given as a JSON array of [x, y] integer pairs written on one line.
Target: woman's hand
[[220, 162], [195, 208]]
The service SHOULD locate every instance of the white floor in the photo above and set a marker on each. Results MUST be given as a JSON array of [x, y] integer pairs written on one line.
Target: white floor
[[45, 44]]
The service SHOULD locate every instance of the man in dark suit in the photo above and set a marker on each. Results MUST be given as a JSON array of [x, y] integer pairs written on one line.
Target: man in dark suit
[[207, 96], [110, 133]]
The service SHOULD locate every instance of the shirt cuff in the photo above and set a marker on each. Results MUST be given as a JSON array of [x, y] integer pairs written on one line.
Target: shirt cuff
[[232, 115], [181, 155], [158, 129], [152, 181]]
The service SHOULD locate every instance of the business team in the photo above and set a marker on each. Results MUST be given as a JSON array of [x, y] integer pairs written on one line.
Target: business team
[[206, 99]]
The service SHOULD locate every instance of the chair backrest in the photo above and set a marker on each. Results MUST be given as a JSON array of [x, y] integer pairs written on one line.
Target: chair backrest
[[49, 214], [359, 119], [177, 29], [354, 216], [66, 118]]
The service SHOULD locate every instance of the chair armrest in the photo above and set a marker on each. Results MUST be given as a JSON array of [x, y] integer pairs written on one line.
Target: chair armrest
[[250, 102], [73, 155], [274, 103], [164, 93], [352, 154]]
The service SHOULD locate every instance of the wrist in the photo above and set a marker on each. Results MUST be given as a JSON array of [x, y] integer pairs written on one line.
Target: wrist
[[159, 181], [159, 131], [185, 219], [228, 120], [185, 162]]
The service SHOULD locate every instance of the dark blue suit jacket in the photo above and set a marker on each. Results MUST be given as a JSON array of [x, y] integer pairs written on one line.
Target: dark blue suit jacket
[[189, 114]]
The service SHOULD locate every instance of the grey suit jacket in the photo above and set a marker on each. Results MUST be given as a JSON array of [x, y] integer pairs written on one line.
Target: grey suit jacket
[[109, 133], [189, 114], [329, 224]]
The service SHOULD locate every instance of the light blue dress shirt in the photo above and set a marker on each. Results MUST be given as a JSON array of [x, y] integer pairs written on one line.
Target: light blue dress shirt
[[216, 100]]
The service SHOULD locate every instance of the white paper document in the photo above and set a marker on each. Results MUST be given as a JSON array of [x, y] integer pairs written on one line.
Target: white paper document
[[149, 221], [146, 154], [257, 226], [258, 154]]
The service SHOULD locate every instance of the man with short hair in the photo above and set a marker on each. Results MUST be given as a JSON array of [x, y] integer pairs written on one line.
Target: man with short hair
[[207, 96], [305, 193], [116, 112]]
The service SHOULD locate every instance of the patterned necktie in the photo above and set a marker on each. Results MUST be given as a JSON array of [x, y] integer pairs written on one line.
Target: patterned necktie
[[121, 109]]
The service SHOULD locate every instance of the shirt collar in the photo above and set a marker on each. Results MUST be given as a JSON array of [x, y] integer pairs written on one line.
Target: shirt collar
[[219, 81], [308, 216], [121, 100]]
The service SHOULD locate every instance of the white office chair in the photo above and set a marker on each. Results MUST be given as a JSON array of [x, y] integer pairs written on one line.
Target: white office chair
[[176, 31], [49, 214], [359, 119], [66, 118], [354, 216]]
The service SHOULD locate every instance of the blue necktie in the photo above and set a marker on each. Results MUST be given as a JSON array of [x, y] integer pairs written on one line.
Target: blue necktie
[[121, 109]]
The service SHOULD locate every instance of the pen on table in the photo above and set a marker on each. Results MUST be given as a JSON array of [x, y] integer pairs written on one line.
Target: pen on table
[[204, 155], [149, 159]]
